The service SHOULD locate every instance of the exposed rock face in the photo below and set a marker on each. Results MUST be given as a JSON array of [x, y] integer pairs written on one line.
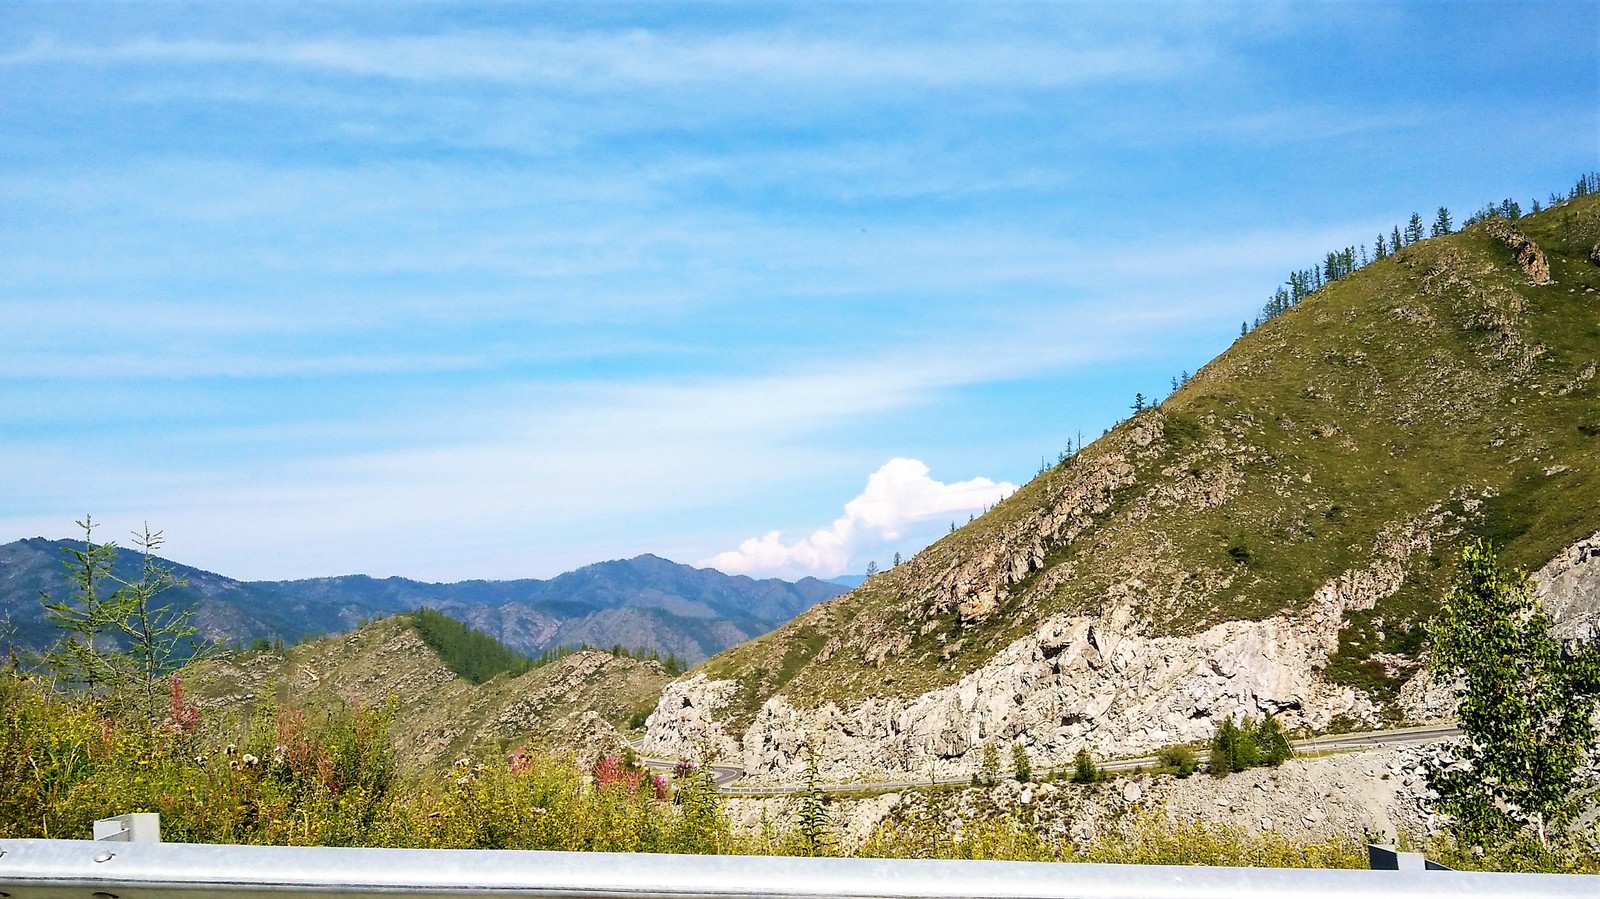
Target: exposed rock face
[[1569, 589], [1077, 681], [1094, 681], [1379, 792], [1097, 681], [1529, 256], [685, 725]]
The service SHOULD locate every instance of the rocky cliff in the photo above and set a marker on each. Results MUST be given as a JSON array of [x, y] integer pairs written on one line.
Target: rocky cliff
[[1268, 540]]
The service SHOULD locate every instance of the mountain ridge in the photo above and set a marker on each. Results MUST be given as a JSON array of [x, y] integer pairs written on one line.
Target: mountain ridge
[[646, 602], [1269, 539]]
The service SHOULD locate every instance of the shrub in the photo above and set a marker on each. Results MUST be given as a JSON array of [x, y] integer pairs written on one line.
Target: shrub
[[1179, 758], [1084, 770], [1020, 764]]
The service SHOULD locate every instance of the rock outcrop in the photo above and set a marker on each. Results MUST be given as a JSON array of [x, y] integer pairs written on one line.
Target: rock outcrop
[[1382, 792], [1077, 681], [1529, 256], [1569, 589], [1096, 682]]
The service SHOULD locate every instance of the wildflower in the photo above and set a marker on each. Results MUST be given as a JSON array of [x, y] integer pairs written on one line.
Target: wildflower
[[185, 715], [249, 759], [230, 749]]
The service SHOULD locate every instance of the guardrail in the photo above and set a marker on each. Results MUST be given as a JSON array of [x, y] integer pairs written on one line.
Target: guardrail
[[85, 869]]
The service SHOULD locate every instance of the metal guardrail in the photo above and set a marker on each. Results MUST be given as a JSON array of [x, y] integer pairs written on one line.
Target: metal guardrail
[[84, 869]]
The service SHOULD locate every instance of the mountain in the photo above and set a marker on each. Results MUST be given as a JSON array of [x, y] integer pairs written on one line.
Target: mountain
[[1270, 539], [850, 581], [645, 602], [226, 610], [580, 703]]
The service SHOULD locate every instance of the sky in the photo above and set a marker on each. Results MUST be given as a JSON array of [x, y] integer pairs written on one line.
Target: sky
[[497, 291]]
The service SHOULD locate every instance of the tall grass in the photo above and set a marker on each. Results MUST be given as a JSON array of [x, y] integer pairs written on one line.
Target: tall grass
[[284, 777]]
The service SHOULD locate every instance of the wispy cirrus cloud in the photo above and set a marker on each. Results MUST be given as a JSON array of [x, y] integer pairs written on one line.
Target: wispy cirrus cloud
[[600, 61]]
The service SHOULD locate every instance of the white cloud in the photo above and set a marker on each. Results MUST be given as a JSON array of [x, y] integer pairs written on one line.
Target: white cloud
[[898, 494], [595, 61]]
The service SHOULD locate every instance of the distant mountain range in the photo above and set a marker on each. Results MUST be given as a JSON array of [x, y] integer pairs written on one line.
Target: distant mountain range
[[644, 602]]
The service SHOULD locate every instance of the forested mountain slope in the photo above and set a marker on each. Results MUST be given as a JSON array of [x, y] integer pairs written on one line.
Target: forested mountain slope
[[226, 610], [1267, 540], [642, 603]]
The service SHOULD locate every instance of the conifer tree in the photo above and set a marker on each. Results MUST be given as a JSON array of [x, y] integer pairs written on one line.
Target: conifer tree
[[991, 764], [1379, 250], [1271, 742], [1084, 769], [1394, 239], [121, 645], [1021, 765], [1441, 223], [1414, 229]]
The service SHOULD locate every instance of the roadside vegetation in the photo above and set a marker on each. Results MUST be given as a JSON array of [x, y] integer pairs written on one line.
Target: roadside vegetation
[[83, 745]]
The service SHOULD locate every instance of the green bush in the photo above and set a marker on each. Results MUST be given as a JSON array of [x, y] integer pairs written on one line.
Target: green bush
[[1084, 770], [1180, 759], [1021, 765], [1237, 747]]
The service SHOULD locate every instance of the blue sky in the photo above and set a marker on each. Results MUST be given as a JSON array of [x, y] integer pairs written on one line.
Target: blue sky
[[450, 293]]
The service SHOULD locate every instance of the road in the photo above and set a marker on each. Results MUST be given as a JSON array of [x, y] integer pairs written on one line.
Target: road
[[724, 776]]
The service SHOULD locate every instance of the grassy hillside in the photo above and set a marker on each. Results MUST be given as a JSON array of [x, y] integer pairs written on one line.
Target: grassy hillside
[[574, 702], [1432, 396]]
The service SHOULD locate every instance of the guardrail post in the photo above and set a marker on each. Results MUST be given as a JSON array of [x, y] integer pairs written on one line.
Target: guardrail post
[[139, 827], [1386, 858]]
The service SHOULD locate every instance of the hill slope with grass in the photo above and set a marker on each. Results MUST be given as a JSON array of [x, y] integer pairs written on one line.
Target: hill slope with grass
[[580, 702], [1270, 539]]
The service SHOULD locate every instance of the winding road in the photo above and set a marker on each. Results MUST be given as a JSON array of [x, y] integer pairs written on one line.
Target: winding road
[[724, 776]]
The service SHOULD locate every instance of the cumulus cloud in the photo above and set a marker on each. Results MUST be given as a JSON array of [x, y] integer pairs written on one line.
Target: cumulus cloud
[[898, 494]]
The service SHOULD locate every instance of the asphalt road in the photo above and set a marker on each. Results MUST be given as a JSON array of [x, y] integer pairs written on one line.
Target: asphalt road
[[725, 775]]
